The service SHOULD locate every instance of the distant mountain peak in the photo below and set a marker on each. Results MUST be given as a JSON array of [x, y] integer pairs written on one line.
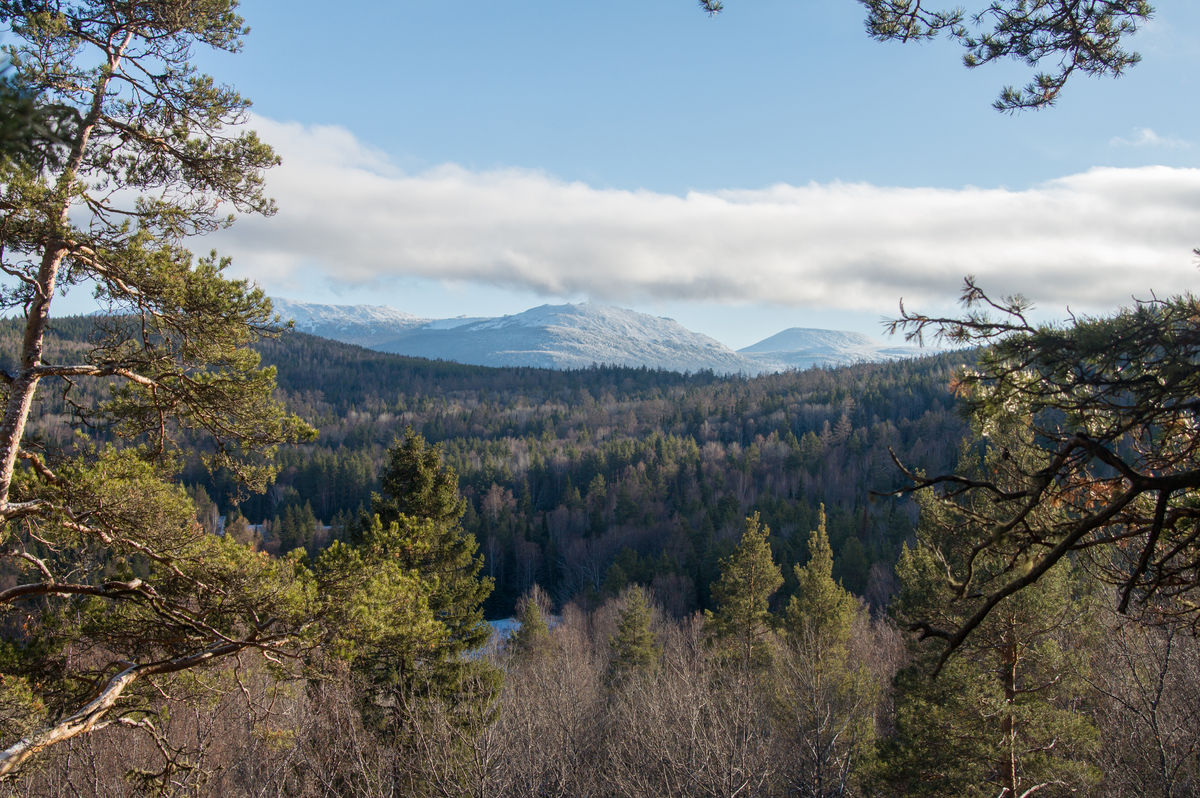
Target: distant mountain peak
[[578, 335], [806, 338], [571, 336], [364, 325], [805, 347], [310, 314]]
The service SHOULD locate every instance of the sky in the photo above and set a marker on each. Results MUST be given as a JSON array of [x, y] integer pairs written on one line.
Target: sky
[[766, 168]]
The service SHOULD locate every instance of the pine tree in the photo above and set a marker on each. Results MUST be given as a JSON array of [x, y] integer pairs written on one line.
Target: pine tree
[[1058, 39], [1102, 413], [32, 133], [1003, 715], [127, 151], [741, 622]]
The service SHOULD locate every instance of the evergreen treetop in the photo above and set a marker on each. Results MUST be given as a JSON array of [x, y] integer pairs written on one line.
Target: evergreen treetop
[[749, 577], [531, 639], [417, 531], [820, 608], [633, 649], [416, 483], [145, 152]]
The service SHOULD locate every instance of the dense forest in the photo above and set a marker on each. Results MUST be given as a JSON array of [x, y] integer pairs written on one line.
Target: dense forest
[[583, 482], [761, 502]]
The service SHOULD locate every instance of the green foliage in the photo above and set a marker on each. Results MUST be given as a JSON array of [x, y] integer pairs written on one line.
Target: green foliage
[[1072, 37], [296, 528], [821, 608], [421, 493], [1010, 696], [31, 133], [189, 347], [1090, 429], [633, 649], [741, 622], [158, 587], [416, 483], [112, 590], [21, 708], [531, 640], [826, 698], [376, 608], [402, 607], [1006, 711], [418, 601]]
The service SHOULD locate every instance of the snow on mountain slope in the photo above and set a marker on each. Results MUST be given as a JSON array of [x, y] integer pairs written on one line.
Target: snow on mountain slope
[[810, 339], [578, 336], [364, 325], [803, 347], [572, 336]]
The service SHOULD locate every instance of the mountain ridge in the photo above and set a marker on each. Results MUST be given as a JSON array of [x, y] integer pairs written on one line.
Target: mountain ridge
[[569, 336]]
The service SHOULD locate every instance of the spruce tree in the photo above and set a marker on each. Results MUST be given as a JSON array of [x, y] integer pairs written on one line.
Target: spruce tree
[[633, 650], [827, 699], [821, 609], [416, 483], [295, 528], [741, 622], [415, 526], [531, 639]]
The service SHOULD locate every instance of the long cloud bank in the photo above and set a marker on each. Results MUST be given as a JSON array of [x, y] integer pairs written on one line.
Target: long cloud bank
[[1090, 240]]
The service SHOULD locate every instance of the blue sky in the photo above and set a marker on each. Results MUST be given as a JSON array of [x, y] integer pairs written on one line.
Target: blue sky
[[766, 168]]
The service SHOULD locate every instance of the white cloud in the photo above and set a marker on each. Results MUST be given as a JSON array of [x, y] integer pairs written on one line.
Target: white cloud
[[1145, 137], [349, 216]]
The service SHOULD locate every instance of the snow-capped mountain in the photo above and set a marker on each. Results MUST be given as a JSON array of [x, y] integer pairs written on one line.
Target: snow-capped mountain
[[578, 336], [805, 347], [570, 336], [364, 325]]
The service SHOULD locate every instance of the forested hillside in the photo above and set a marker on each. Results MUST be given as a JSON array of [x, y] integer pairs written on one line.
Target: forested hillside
[[585, 481]]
